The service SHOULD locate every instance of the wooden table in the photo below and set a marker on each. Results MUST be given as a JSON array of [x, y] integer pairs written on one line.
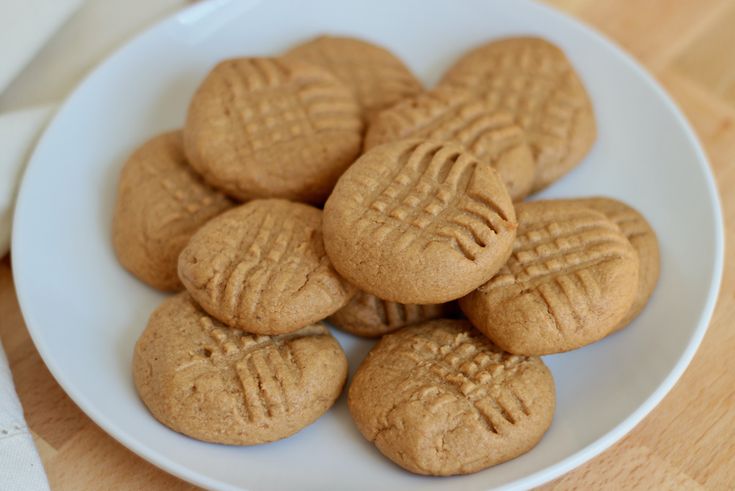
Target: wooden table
[[687, 442]]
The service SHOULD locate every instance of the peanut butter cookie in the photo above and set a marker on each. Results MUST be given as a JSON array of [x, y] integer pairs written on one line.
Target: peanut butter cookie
[[261, 267], [533, 80], [367, 315], [161, 202], [269, 128], [376, 76], [419, 222], [459, 116], [217, 384], [643, 238], [572, 278], [440, 399]]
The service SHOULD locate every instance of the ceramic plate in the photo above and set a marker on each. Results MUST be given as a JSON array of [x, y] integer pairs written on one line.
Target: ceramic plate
[[85, 312]]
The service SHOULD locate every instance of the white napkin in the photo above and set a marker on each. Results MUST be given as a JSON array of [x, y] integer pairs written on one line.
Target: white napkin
[[20, 466], [25, 26]]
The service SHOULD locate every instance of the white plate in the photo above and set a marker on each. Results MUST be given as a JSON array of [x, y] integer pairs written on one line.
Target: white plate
[[84, 312]]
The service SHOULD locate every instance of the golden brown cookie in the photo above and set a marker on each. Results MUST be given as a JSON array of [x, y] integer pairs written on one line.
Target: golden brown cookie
[[223, 385], [376, 76], [269, 128], [367, 315], [261, 267], [419, 222], [643, 238], [572, 277], [161, 202], [533, 79], [440, 399], [458, 115]]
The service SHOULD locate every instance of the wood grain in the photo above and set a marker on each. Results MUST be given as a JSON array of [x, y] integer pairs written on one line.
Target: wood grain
[[687, 442]]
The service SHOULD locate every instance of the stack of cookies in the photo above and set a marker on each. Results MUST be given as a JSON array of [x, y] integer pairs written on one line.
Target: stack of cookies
[[329, 184]]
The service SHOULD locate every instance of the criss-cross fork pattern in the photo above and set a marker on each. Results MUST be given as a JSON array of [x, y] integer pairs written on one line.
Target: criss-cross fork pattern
[[460, 366], [394, 314], [260, 372], [374, 75], [428, 199], [536, 85], [557, 259], [469, 121], [560, 246], [271, 106], [270, 263]]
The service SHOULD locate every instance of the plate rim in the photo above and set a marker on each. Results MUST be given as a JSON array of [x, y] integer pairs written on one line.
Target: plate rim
[[531, 480]]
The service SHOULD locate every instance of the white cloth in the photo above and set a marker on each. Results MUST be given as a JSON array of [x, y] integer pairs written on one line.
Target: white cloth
[[25, 26], [38, 67], [20, 466]]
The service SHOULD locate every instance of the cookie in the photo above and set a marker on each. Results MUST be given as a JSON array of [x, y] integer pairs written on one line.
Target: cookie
[[161, 202], [572, 277], [269, 128], [367, 315], [223, 385], [376, 76], [459, 116], [419, 222], [643, 238], [261, 267], [440, 399], [533, 79]]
